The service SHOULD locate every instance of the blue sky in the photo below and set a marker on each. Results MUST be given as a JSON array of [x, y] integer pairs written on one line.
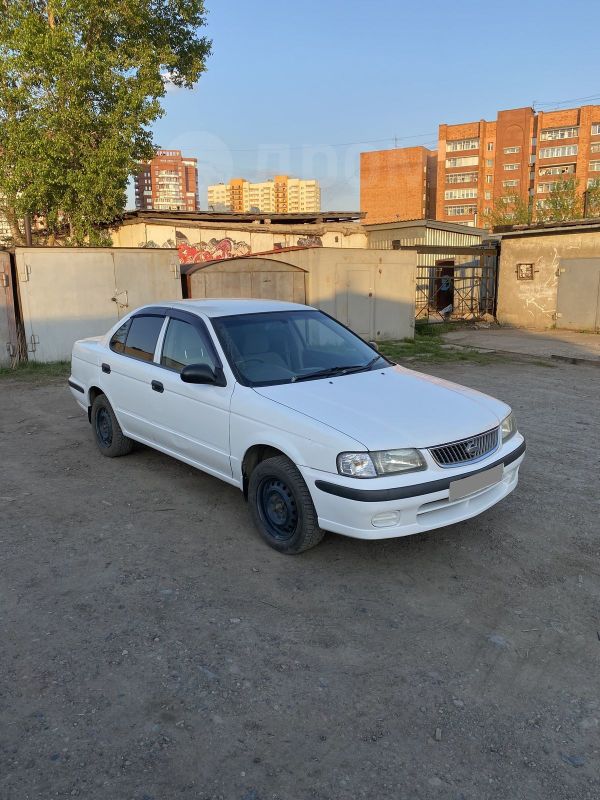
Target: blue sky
[[302, 88]]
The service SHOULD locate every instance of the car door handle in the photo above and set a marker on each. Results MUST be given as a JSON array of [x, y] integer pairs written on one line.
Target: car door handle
[[157, 386], [106, 368]]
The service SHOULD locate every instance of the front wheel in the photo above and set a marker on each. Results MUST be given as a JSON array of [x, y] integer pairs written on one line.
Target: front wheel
[[282, 508], [110, 439]]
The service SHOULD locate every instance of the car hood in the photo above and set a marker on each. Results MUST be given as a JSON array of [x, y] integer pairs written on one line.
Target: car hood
[[392, 408]]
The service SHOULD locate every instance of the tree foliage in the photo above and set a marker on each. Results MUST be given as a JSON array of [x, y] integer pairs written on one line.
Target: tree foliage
[[510, 209], [80, 83], [593, 199], [564, 202]]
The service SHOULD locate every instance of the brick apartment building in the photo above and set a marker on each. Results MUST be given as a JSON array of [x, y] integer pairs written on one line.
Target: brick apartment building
[[520, 153], [169, 182], [398, 184], [280, 195]]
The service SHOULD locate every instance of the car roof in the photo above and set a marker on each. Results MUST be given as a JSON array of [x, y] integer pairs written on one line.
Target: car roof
[[225, 307]]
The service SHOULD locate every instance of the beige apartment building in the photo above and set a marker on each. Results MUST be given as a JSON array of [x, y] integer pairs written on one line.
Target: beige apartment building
[[280, 195]]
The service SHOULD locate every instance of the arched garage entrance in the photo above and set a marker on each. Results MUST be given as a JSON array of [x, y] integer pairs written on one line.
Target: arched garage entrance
[[262, 278]]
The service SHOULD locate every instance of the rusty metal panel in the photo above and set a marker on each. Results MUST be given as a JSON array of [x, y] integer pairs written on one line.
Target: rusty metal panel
[[9, 351]]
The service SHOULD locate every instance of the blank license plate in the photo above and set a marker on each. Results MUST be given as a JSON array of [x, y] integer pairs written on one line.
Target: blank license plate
[[475, 483]]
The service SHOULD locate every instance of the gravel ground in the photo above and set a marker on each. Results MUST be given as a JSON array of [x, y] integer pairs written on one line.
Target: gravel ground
[[154, 648]]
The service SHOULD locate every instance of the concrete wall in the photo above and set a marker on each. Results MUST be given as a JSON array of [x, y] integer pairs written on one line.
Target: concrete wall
[[533, 303], [72, 293], [373, 292], [205, 241]]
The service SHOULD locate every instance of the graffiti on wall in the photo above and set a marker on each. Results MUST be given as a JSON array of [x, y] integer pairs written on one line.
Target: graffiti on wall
[[309, 241], [217, 249], [213, 250]]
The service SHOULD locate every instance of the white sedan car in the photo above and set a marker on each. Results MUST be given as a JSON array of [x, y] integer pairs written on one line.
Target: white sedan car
[[319, 431]]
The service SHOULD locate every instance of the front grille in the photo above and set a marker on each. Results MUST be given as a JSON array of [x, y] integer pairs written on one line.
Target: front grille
[[466, 450]]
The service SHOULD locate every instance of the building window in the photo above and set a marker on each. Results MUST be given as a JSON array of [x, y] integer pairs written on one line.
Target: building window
[[512, 167], [488, 195], [489, 178], [596, 129], [552, 134], [593, 183], [594, 166], [462, 144], [515, 149], [559, 169], [595, 148], [468, 161], [490, 145], [460, 194], [489, 162], [558, 152], [461, 177], [542, 188], [460, 211], [509, 184]]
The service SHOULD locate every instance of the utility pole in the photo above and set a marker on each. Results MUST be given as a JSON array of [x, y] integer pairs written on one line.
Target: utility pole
[[586, 201]]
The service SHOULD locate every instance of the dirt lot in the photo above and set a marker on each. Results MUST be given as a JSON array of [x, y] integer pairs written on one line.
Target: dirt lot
[[153, 648]]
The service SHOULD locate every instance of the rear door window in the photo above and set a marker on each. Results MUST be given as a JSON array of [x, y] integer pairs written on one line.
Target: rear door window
[[142, 337]]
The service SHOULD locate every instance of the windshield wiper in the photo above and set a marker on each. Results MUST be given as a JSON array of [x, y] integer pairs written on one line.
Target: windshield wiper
[[330, 371]]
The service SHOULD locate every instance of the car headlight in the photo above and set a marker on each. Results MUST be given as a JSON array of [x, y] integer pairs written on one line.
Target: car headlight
[[508, 427], [381, 462]]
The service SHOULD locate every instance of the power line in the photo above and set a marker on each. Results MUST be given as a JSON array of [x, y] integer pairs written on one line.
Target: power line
[[556, 103], [394, 139]]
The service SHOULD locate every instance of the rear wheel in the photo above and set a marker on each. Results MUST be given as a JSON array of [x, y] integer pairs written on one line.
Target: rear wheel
[[109, 437], [281, 506]]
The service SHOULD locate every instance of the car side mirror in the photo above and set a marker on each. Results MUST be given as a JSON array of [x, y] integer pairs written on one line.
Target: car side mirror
[[202, 373], [374, 345]]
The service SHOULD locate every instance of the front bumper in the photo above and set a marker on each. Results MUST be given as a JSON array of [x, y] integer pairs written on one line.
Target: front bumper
[[349, 506]]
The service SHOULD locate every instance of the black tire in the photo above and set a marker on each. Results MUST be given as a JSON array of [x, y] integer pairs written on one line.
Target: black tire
[[282, 508], [109, 438]]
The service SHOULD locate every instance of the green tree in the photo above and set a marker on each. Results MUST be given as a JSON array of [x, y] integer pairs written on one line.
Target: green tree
[[81, 81], [564, 202], [510, 209], [593, 199]]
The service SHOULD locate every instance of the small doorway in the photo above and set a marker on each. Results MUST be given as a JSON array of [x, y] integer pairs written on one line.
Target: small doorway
[[443, 288]]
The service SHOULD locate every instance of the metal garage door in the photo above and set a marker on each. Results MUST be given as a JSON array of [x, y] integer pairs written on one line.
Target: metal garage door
[[248, 277], [578, 300], [354, 300], [72, 293]]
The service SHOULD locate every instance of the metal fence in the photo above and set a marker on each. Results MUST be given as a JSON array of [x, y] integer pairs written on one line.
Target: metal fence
[[457, 286]]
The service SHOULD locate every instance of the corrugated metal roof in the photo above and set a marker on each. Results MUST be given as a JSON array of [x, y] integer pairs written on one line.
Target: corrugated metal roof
[[427, 223], [540, 228], [234, 216]]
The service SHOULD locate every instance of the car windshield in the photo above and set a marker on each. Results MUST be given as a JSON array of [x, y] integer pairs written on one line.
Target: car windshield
[[290, 346]]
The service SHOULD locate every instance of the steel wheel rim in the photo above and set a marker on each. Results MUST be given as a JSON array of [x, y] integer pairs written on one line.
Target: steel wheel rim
[[104, 427], [277, 508]]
